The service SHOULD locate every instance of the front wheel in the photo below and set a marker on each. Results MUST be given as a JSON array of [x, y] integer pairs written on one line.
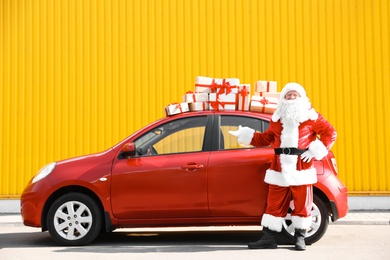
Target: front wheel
[[74, 219], [318, 227]]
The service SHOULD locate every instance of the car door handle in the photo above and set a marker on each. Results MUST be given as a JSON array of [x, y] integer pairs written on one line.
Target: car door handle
[[192, 167]]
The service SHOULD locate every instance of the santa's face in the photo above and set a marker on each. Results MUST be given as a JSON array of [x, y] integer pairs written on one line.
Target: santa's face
[[292, 95]]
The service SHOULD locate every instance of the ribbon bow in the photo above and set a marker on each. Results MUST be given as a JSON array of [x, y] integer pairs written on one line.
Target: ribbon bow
[[225, 87], [177, 106], [215, 104], [243, 93], [264, 101], [213, 86]]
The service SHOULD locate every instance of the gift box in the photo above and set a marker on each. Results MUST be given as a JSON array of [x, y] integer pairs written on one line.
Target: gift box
[[243, 97], [267, 94], [176, 108], [266, 86], [191, 97], [263, 105], [214, 85], [199, 106], [271, 95], [222, 101]]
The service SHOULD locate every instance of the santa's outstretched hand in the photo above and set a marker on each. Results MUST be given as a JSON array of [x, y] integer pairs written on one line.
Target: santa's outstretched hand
[[244, 135]]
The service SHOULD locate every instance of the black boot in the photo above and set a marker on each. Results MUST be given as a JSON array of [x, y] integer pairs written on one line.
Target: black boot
[[268, 241], [300, 239]]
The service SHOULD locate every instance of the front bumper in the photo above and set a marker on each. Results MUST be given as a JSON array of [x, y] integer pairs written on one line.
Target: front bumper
[[32, 202]]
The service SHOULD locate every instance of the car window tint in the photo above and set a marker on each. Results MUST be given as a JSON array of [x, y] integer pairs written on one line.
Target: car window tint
[[231, 123], [178, 136]]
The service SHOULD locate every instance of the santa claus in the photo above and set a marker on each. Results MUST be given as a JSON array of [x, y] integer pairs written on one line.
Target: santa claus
[[298, 134]]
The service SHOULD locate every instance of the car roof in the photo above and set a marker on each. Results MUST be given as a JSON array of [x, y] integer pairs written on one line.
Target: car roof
[[223, 112]]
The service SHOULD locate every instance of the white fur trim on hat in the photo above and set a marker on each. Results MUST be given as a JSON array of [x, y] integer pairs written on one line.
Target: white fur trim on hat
[[291, 178], [318, 149], [271, 222], [292, 86], [301, 222]]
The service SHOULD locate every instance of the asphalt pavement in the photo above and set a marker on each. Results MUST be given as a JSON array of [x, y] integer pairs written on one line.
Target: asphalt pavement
[[352, 218]]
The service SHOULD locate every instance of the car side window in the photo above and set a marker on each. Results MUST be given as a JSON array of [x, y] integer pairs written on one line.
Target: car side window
[[231, 123], [178, 136]]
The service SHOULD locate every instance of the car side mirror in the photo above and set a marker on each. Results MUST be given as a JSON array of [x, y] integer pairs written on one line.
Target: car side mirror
[[127, 150]]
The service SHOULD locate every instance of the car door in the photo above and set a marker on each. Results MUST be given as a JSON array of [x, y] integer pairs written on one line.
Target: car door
[[167, 178], [236, 174]]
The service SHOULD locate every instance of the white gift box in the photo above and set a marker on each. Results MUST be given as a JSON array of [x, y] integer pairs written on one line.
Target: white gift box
[[213, 85], [271, 95], [176, 108], [266, 86], [191, 97], [199, 106], [267, 94], [243, 97], [263, 105], [222, 101]]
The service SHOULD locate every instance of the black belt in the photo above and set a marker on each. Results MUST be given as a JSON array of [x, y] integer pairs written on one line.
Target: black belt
[[289, 150]]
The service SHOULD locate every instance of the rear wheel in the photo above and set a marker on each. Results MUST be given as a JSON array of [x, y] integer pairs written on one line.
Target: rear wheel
[[318, 227], [74, 219]]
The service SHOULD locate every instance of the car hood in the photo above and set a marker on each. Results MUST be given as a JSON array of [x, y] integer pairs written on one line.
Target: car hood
[[83, 168]]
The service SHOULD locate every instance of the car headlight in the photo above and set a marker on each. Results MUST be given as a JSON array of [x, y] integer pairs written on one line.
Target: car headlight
[[46, 170]]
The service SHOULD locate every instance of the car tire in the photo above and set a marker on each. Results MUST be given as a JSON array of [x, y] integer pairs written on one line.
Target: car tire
[[74, 219], [318, 228]]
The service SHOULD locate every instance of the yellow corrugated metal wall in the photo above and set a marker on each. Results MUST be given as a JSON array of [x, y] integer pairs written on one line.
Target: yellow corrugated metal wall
[[77, 76]]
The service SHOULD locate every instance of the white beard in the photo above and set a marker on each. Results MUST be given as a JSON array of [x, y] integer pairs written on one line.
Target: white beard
[[293, 112]]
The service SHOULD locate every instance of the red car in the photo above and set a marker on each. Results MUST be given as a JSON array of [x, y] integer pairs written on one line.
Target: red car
[[182, 170]]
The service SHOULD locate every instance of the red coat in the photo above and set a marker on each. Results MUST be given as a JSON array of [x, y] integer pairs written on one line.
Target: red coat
[[290, 170]]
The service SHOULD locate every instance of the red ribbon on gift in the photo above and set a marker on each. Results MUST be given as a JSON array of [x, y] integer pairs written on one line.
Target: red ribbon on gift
[[265, 101], [225, 87], [243, 93], [177, 105], [193, 95], [213, 86], [215, 104]]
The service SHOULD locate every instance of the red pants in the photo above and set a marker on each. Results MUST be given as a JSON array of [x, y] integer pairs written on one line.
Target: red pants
[[278, 204]]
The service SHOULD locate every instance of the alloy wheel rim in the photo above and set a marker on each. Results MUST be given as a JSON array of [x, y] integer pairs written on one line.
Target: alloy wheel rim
[[73, 220]]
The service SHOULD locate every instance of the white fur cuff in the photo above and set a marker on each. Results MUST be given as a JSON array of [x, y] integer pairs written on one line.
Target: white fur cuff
[[301, 222], [271, 222], [318, 149]]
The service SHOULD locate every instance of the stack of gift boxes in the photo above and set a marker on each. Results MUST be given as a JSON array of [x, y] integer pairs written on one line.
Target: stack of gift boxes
[[227, 94], [265, 98]]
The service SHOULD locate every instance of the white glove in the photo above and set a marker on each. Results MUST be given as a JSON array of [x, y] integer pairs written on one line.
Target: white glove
[[316, 150], [244, 135], [307, 156]]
